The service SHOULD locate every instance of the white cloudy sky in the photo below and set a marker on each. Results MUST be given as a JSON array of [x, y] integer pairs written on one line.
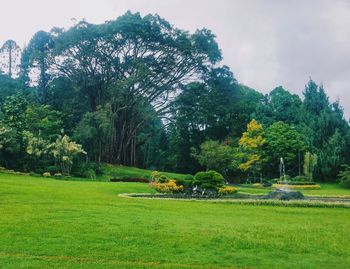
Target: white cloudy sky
[[266, 43]]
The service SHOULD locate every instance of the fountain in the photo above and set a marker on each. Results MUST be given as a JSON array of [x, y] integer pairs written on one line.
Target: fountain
[[284, 192]]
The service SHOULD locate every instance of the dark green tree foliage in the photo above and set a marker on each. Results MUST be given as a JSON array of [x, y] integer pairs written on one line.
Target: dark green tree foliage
[[137, 91], [203, 111], [283, 141], [14, 108], [324, 127], [130, 63], [244, 108], [8, 86], [279, 105], [36, 57]]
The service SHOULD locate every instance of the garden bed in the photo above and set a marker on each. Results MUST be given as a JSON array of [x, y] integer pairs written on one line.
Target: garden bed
[[251, 199]]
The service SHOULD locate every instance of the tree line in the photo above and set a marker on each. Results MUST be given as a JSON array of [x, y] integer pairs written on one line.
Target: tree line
[[137, 91]]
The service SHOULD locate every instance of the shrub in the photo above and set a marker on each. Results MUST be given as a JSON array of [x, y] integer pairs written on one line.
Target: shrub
[[58, 175], [188, 178], [52, 169], [47, 174], [130, 179], [267, 184], [155, 175], [344, 176], [187, 184], [90, 173], [274, 180], [158, 177], [208, 180], [167, 187], [346, 183], [227, 190], [301, 179], [285, 178]]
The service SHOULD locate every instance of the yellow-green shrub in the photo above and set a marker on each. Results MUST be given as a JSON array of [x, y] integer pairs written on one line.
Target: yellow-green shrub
[[167, 187], [47, 174], [258, 185], [227, 190]]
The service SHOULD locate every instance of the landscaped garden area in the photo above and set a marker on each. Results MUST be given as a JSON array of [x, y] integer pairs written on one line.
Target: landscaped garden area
[[130, 144], [47, 222]]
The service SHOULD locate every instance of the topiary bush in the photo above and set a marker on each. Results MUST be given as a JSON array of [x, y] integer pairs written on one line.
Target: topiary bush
[[210, 180]]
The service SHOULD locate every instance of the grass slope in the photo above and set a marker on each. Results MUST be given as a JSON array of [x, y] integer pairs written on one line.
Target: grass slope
[[46, 223], [120, 171]]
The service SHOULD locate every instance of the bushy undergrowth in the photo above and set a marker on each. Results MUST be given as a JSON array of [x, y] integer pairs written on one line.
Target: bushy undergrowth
[[227, 190]]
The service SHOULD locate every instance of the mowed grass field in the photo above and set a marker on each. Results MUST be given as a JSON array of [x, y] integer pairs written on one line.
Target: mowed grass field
[[47, 223]]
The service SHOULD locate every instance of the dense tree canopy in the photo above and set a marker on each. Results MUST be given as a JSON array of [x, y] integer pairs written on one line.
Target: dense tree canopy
[[138, 91]]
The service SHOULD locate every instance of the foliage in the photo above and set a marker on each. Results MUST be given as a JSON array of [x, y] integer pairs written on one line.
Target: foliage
[[283, 141], [47, 174], [167, 187], [36, 146], [8, 141], [64, 150], [310, 161], [227, 190], [344, 176], [215, 156], [208, 180], [251, 144], [300, 178]]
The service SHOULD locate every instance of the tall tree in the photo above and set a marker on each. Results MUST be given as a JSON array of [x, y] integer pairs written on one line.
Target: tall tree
[[10, 54], [283, 141], [36, 57], [131, 63], [251, 145]]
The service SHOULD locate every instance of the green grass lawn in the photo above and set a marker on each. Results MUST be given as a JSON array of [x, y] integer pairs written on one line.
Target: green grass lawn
[[47, 223], [120, 171]]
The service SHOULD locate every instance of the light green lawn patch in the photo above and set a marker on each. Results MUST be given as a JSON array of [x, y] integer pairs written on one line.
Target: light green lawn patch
[[47, 223], [125, 171]]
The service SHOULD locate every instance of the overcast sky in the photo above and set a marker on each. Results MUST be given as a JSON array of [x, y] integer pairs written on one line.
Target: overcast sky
[[266, 43]]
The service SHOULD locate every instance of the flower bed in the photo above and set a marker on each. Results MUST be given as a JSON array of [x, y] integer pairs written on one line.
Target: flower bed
[[297, 187]]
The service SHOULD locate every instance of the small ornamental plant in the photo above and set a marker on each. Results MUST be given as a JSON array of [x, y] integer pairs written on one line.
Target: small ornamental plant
[[227, 190], [47, 174]]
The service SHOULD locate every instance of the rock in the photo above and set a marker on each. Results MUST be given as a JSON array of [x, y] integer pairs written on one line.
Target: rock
[[285, 195]]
